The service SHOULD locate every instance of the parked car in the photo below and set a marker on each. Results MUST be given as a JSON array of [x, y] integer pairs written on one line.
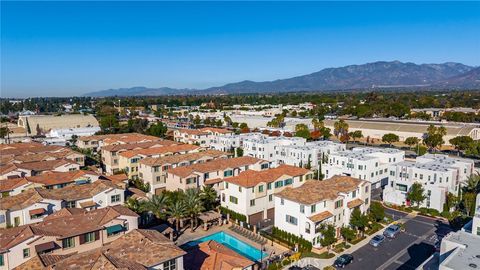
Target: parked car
[[391, 231], [343, 260], [377, 240]]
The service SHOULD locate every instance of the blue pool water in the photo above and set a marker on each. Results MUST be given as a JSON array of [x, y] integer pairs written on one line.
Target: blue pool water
[[230, 241]]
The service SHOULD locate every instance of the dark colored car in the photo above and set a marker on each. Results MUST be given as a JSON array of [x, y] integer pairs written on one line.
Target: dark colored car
[[343, 260]]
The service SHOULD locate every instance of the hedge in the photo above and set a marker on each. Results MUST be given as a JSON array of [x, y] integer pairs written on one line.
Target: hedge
[[233, 215], [291, 239]]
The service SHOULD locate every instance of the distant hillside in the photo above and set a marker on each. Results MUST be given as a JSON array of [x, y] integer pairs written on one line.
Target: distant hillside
[[372, 75]]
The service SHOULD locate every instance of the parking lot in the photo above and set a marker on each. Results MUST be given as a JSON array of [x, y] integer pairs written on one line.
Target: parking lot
[[407, 251]]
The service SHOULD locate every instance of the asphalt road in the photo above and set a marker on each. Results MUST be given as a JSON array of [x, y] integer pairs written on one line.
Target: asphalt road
[[407, 251]]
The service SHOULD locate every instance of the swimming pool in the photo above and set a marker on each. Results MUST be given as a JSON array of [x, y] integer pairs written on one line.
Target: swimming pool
[[230, 241]]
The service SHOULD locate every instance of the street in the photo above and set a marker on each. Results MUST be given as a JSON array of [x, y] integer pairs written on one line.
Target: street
[[407, 251]]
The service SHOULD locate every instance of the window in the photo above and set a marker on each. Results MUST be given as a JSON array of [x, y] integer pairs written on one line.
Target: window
[[264, 166], [226, 184], [338, 204], [206, 176], [227, 173], [288, 181], [302, 208], [68, 242], [115, 198], [313, 208], [239, 189], [282, 202], [270, 197], [354, 194], [366, 200], [170, 265], [191, 180], [2, 262], [402, 187], [70, 204], [260, 188], [291, 220], [278, 184], [307, 227], [26, 253], [157, 179], [366, 189], [233, 200], [252, 202], [89, 237], [269, 186]]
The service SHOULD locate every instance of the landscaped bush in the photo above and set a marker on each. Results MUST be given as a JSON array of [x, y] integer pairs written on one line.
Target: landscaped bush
[[233, 215], [291, 239], [356, 241], [375, 227]]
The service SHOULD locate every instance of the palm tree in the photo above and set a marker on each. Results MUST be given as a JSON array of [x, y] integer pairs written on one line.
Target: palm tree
[[194, 205], [177, 210], [134, 205], [473, 184], [157, 205], [209, 197]]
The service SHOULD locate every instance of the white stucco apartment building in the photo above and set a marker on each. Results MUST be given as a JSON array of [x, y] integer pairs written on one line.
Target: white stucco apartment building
[[366, 163], [438, 174], [251, 193], [311, 153], [302, 210]]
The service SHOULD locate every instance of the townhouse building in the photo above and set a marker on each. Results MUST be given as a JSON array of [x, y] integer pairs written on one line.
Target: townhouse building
[[265, 147], [311, 154], [110, 153], [211, 173], [37, 168], [366, 163], [129, 160], [230, 142], [126, 252], [438, 174], [48, 156], [64, 233], [251, 193], [201, 137], [154, 170], [302, 210], [10, 187], [33, 205]]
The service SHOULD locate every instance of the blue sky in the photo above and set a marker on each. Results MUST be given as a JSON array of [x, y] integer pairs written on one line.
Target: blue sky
[[70, 48]]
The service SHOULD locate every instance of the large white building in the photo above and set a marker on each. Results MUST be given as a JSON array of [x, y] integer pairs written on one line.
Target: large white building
[[366, 163], [438, 174], [251, 193], [303, 210], [265, 147], [311, 153]]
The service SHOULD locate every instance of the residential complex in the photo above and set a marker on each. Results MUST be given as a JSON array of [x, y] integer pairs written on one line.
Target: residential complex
[[439, 175], [251, 193], [366, 163], [303, 209], [201, 137]]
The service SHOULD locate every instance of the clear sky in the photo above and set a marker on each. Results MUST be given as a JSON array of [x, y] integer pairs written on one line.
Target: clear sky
[[70, 48]]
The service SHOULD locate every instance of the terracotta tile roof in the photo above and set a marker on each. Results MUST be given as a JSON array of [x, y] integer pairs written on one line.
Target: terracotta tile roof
[[216, 130], [354, 203], [211, 255], [20, 145], [33, 150], [11, 184], [320, 216], [215, 165], [131, 146], [313, 191], [213, 181], [4, 169], [44, 165], [13, 236], [65, 212], [6, 159], [77, 192], [174, 159], [127, 252], [160, 150], [21, 200], [122, 137], [116, 178], [45, 156], [252, 178], [88, 204], [193, 131], [55, 178]]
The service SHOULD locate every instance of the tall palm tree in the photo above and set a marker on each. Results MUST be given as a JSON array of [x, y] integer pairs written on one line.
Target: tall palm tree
[[209, 197], [156, 205], [177, 210], [194, 205]]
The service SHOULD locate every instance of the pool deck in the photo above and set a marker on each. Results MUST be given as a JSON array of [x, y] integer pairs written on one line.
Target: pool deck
[[187, 236]]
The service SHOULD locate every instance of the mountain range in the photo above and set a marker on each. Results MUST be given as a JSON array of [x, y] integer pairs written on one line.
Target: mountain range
[[380, 75]]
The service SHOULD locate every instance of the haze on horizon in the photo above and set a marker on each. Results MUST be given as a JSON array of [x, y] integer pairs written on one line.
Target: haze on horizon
[[70, 48]]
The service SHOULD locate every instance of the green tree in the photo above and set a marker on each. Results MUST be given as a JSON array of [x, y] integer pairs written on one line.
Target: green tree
[[239, 152], [134, 205], [196, 120], [416, 194], [108, 123], [243, 126], [357, 134], [411, 141], [461, 143], [328, 236], [340, 128], [434, 137], [209, 197], [377, 212], [358, 220], [156, 205], [177, 210], [390, 138], [348, 234], [468, 201], [158, 130], [301, 130], [194, 205], [325, 133]]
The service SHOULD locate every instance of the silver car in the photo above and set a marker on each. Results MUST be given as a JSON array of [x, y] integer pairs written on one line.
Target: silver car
[[391, 231], [377, 240]]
